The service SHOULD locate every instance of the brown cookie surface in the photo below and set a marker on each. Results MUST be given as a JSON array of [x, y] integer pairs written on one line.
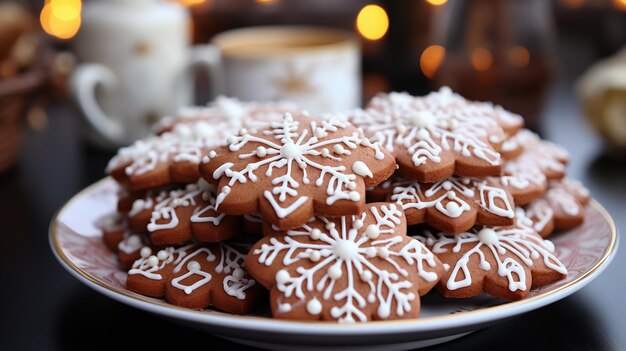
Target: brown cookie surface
[[438, 135], [505, 262], [538, 157], [180, 215], [296, 168], [455, 204], [347, 269], [173, 155], [197, 276], [562, 207]]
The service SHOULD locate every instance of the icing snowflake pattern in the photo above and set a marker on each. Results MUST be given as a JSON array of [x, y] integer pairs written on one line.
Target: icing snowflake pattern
[[427, 128], [363, 266], [297, 153], [513, 252], [173, 154]]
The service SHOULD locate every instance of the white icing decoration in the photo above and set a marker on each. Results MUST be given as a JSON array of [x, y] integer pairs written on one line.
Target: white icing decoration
[[145, 252], [195, 131], [427, 126], [145, 265], [292, 145], [345, 254], [541, 214], [130, 244], [455, 196], [360, 168], [164, 214], [235, 282], [539, 157], [566, 202], [283, 212], [520, 243], [314, 306], [194, 268]]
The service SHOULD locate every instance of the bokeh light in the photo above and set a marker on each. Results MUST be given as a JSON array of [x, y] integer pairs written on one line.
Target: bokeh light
[[372, 22], [481, 59], [61, 18], [620, 4], [190, 3], [518, 56], [431, 59], [436, 2]]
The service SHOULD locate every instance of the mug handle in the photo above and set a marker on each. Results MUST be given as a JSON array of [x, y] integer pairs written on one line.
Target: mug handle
[[209, 57], [84, 82]]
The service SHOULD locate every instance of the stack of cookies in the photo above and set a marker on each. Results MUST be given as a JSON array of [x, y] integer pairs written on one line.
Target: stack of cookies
[[342, 217]]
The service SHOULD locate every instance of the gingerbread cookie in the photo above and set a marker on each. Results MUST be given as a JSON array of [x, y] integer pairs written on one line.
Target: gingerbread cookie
[[438, 135], [180, 215], [296, 168], [197, 276], [562, 207], [539, 157], [347, 269], [174, 155], [455, 204], [114, 227], [119, 239], [505, 262], [249, 115]]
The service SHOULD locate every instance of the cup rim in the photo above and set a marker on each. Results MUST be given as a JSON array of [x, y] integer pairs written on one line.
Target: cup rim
[[336, 38]]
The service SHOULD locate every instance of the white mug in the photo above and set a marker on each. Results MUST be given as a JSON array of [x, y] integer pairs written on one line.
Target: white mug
[[136, 58], [317, 68]]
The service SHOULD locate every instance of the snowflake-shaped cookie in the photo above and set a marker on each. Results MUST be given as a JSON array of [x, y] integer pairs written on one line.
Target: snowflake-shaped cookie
[[438, 135], [562, 207], [295, 168], [180, 215], [539, 160], [174, 155], [196, 276], [505, 262], [455, 204], [347, 269]]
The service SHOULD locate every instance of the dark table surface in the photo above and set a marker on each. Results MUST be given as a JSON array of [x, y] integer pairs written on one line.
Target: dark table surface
[[43, 308]]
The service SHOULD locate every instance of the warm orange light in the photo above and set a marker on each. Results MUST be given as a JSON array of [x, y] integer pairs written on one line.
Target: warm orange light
[[61, 18], [436, 2], [431, 59], [372, 22], [190, 3], [481, 59], [620, 4], [518, 56], [266, 2]]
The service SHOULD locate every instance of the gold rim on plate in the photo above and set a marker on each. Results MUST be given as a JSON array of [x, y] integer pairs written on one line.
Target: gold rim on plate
[[469, 315]]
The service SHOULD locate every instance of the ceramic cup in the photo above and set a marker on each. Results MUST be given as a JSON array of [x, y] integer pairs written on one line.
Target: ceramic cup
[[318, 68], [136, 66]]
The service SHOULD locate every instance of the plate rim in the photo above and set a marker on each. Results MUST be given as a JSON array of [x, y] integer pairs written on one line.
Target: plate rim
[[264, 324]]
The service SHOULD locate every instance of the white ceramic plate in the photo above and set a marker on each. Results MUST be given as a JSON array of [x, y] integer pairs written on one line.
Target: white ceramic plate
[[586, 251]]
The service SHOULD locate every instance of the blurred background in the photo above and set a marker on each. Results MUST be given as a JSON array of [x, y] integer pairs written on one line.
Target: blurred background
[[509, 51]]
